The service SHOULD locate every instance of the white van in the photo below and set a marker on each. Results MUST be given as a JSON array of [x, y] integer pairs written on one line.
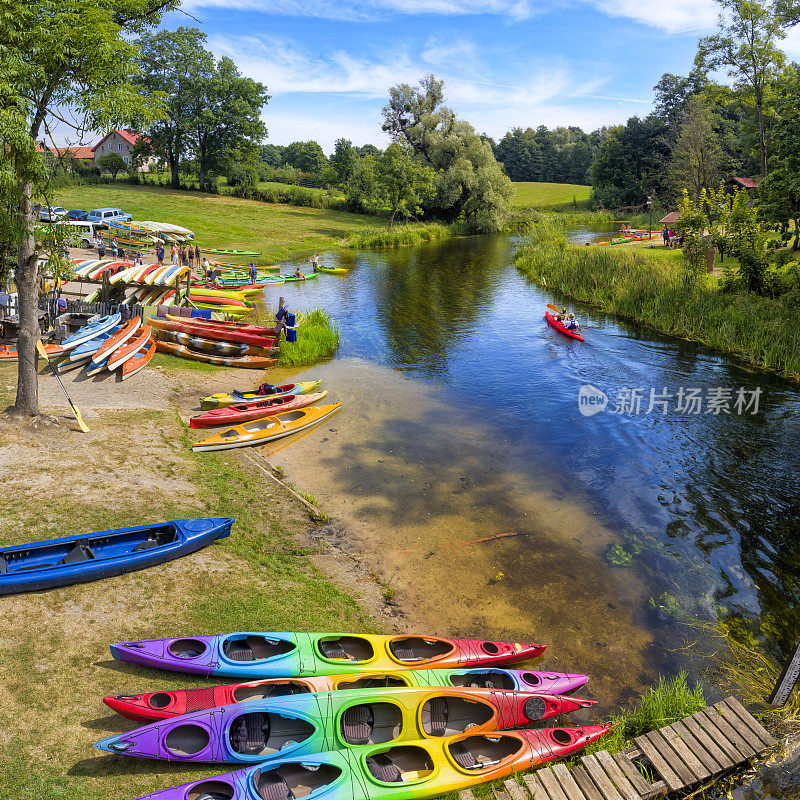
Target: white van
[[84, 232]]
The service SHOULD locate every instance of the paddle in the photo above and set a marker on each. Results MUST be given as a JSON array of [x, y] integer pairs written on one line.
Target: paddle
[[43, 353], [557, 309]]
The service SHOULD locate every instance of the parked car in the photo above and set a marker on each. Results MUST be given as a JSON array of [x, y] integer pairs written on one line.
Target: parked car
[[52, 213], [83, 232], [77, 214], [102, 216]]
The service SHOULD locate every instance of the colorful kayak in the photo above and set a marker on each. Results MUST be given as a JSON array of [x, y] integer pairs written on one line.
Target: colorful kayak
[[88, 557], [261, 431], [91, 331], [332, 270], [224, 399], [554, 323], [306, 277], [246, 412], [140, 360], [216, 301], [117, 340], [286, 655], [218, 348], [407, 771], [223, 333], [130, 348], [262, 730], [232, 252], [168, 704], [9, 352], [248, 362]]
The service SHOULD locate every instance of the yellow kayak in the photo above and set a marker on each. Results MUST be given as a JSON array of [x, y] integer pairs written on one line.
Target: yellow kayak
[[268, 429], [224, 399]]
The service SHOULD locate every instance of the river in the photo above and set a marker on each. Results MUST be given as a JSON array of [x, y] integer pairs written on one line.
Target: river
[[461, 422]]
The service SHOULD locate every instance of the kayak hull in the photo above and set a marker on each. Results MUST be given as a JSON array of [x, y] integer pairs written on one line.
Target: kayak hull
[[76, 559], [554, 323], [247, 362], [211, 331], [214, 346], [140, 359], [246, 412], [224, 399]]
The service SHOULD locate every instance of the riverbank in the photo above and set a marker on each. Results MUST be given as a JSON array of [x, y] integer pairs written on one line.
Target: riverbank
[[134, 467], [645, 286]]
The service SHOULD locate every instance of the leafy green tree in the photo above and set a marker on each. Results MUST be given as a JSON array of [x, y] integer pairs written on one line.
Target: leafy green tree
[[403, 183], [55, 56], [470, 182], [367, 150], [343, 160], [112, 163], [225, 119], [273, 154], [362, 192], [520, 155], [176, 68], [747, 46], [305, 156], [747, 241], [696, 158], [697, 246]]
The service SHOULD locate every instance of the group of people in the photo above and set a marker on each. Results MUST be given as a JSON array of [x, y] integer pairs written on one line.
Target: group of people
[[567, 321], [671, 239]]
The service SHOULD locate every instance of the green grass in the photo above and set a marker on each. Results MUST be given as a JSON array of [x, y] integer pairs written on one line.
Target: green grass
[[410, 235], [317, 340], [552, 196], [646, 286], [276, 231]]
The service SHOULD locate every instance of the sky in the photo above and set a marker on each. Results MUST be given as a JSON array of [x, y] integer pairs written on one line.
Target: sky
[[328, 64]]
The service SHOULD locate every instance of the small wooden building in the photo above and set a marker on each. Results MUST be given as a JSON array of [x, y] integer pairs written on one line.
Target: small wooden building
[[670, 219], [750, 185]]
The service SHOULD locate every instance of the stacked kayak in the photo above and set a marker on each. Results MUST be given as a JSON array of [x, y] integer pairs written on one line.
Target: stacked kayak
[[9, 352], [88, 557], [152, 284], [353, 716]]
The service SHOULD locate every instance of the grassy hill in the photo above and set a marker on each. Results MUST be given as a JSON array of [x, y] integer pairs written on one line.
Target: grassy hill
[[276, 231], [549, 195]]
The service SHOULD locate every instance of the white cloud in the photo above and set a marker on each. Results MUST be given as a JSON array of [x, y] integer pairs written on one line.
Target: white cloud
[[673, 16]]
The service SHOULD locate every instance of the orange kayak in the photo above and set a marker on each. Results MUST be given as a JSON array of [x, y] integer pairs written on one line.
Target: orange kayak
[[129, 349], [117, 340], [139, 360], [9, 352]]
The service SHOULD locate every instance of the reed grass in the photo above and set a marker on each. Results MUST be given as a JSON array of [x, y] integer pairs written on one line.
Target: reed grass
[[317, 340], [410, 235], [640, 286]]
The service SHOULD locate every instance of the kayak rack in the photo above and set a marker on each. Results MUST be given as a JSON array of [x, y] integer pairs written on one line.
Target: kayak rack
[[697, 749]]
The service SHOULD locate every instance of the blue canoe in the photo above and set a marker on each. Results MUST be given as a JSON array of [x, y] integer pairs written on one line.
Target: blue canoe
[[74, 559]]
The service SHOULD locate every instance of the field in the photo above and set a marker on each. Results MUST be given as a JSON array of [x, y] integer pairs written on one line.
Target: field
[[549, 195], [276, 231]]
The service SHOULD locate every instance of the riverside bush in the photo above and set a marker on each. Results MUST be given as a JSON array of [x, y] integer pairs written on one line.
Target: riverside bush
[[399, 236]]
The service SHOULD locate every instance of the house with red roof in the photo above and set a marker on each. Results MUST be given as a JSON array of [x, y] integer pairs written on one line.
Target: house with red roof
[[119, 142], [83, 154]]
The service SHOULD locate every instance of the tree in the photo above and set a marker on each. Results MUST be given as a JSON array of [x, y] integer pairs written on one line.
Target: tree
[[696, 249], [343, 160], [176, 67], [520, 155], [696, 157], [112, 163], [305, 156], [469, 179], [56, 56], [272, 154], [403, 183], [361, 191], [746, 45], [747, 242], [225, 118]]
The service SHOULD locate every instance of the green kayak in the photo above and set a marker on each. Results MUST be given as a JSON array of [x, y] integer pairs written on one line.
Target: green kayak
[[306, 277]]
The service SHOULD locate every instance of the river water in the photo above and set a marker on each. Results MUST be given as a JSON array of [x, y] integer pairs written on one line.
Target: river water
[[463, 468]]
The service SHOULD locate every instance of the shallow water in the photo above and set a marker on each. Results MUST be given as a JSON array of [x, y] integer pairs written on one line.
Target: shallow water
[[461, 422]]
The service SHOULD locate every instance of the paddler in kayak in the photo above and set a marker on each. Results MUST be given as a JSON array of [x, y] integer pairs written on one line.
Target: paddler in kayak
[[570, 323], [297, 273]]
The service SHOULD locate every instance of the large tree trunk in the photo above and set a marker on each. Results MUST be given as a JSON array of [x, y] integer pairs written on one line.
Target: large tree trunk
[[27, 280], [174, 167], [762, 139]]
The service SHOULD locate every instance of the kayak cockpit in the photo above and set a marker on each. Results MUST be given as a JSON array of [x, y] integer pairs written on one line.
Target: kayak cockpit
[[402, 763], [293, 780], [447, 716], [483, 679], [371, 723], [261, 734], [255, 648], [263, 691], [416, 648], [211, 790], [479, 752], [346, 648], [373, 682], [89, 548]]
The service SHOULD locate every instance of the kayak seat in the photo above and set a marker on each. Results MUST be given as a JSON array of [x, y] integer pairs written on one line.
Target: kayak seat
[[271, 786], [238, 651], [383, 768], [147, 544], [332, 650], [403, 653], [436, 712], [357, 724], [463, 756], [249, 733], [81, 552]]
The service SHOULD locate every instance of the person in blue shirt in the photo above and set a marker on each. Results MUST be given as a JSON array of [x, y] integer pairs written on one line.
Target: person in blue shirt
[[253, 273], [280, 318], [570, 323]]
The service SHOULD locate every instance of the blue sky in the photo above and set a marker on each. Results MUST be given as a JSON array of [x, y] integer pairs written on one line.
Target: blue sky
[[328, 64]]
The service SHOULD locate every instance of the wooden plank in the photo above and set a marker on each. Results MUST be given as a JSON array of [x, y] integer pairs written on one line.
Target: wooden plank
[[657, 760], [535, 787], [586, 783], [567, 782], [551, 784], [514, 790], [617, 776], [696, 766], [710, 763], [749, 720], [598, 775], [732, 718], [730, 734], [675, 761], [499, 794], [636, 778], [699, 733], [719, 738]]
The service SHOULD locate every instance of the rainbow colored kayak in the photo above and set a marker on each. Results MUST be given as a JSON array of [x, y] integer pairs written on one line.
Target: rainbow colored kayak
[[408, 771], [263, 730], [287, 655], [166, 705]]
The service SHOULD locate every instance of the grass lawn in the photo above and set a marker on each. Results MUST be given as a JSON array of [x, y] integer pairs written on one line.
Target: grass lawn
[[276, 231], [549, 195]]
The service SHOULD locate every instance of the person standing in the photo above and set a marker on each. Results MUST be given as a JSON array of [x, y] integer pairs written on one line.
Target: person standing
[[114, 247], [197, 254], [160, 254], [101, 248], [280, 318], [253, 273], [315, 262], [665, 236], [190, 257]]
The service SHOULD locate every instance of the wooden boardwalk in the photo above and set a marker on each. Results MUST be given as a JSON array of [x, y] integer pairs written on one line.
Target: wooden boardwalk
[[675, 758]]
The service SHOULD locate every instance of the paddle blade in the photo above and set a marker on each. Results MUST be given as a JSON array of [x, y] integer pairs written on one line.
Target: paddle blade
[[554, 308], [40, 348], [81, 424]]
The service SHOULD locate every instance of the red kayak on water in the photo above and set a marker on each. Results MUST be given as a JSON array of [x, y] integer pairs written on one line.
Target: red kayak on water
[[246, 412], [554, 323]]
